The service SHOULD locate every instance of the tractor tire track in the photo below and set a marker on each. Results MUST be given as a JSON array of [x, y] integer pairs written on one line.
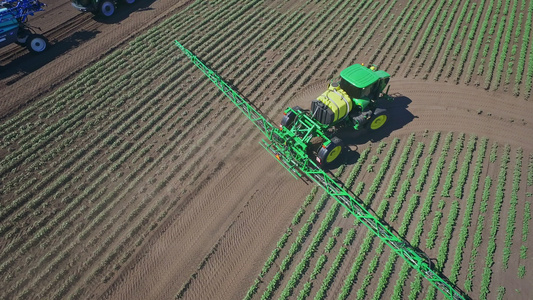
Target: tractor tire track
[[219, 205], [447, 107]]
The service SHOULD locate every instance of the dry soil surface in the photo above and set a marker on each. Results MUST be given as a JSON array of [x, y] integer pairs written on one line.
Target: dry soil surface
[[222, 234]]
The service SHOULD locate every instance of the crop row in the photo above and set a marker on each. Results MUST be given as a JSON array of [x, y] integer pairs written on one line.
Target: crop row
[[404, 30], [491, 248], [439, 45], [369, 29], [507, 41], [465, 167], [367, 243], [372, 267], [530, 171], [381, 173], [478, 234], [432, 235], [390, 38], [393, 183], [527, 218], [424, 42], [356, 276], [452, 168], [525, 44], [511, 214], [469, 39], [63, 213], [467, 219], [332, 272], [406, 185], [134, 81], [389, 266], [427, 162], [301, 267], [451, 42], [295, 247], [416, 285]]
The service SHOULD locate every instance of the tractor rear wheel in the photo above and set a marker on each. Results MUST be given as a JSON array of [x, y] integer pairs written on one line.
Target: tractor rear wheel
[[378, 120], [36, 43], [288, 119], [330, 153]]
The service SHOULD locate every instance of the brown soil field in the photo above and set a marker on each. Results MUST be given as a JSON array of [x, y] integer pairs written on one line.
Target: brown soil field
[[126, 174]]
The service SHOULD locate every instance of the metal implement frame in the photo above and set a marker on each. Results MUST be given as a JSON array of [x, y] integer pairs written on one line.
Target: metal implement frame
[[21, 9], [279, 145]]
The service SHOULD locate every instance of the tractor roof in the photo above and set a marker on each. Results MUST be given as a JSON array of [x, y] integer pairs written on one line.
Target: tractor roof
[[361, 76]]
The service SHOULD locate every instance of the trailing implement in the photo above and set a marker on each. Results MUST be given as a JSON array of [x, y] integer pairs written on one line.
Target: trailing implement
[[13, 24], [349, 101]]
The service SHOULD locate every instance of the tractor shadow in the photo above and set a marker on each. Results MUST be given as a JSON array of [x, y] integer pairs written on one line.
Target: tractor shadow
[[30, 62], [123, 11], [398, 117]]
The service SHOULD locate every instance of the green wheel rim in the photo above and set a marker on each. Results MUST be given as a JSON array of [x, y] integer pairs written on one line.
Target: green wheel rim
[[378, 122]]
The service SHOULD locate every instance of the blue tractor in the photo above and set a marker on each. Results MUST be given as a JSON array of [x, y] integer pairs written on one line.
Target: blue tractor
[[14, 28]]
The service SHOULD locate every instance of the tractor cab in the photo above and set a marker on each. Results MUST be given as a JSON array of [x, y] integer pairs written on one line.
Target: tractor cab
[[363, 83], [351, 94]]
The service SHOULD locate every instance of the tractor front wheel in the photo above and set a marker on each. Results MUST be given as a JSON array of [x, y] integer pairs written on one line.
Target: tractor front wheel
[[107, 8], [379, 119], [330, 153], [36, 43]]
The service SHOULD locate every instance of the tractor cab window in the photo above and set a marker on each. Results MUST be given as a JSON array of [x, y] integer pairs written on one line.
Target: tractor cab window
[[352, 91], [355, 92], [365, 92]]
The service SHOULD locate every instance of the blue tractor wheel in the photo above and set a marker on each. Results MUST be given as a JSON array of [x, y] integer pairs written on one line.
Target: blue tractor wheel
[[107, 8], [36, 43]]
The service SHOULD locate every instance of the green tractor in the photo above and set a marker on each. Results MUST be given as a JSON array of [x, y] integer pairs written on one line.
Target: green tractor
[[349, 101]]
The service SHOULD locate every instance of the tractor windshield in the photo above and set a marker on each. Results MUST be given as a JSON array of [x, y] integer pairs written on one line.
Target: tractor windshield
[[353, 91]]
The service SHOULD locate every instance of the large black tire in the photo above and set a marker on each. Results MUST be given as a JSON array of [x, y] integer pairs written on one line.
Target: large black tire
[[107, 8], [378, 120], [288, 119], [37, 43], [329, 154]]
